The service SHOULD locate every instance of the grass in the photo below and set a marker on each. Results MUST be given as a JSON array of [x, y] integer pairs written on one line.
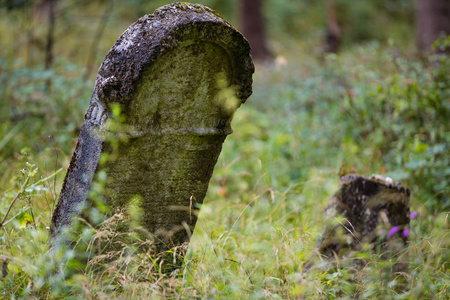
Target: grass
[[371, 109], [262, 214]]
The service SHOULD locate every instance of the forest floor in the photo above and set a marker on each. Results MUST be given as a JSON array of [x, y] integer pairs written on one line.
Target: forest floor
[[372, 109]]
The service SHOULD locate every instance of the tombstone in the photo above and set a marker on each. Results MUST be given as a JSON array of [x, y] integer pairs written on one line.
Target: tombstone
[[178, 76], [365, 211]]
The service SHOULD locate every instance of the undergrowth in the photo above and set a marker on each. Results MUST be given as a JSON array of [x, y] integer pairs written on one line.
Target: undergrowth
[[371, 110]]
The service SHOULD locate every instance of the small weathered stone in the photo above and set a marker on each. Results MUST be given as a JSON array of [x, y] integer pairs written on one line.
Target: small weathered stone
[[365, 211], [178, 76]]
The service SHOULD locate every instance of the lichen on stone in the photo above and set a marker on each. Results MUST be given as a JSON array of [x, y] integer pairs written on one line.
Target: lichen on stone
[[178, 75]]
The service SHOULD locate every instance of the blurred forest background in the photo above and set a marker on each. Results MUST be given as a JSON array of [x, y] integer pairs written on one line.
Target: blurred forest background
[[340, 86], [85, 30]]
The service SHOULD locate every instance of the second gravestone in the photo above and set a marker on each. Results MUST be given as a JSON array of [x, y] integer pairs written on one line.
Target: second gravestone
[[371, 212], [178, 76]]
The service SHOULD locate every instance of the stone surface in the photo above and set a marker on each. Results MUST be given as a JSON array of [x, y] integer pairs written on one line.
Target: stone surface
[[365, 211], [178, 76]]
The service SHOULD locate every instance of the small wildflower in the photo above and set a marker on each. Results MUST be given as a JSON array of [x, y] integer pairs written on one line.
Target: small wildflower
[[392, 231], [413, 215], [222, 192], [328, 282], [405, 232]]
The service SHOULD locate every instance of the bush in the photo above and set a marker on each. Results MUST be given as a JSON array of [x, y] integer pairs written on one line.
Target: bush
[[401, 111], [366, 111]]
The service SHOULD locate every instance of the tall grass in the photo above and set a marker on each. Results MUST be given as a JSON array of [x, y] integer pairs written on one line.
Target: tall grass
[[369, 110]]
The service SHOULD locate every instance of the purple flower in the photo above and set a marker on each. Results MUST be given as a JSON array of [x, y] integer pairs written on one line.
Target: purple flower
[[392, 231], [405, 232], [413, 215]]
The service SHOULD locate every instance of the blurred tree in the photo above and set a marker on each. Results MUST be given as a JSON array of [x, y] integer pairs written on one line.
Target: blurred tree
[[333, 30], [97, 37], [252, 27], [50, 7], [433, 21], [14, 4]]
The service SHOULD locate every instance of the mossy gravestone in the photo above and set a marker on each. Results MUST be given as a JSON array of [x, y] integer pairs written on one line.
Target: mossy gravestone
[[178, 76], [365, 214]]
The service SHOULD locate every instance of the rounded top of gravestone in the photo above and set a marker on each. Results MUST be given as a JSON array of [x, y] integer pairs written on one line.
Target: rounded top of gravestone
[[373, 182], [154, 35]]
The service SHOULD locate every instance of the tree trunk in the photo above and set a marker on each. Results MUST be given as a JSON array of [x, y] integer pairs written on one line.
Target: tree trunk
[[97, 37], [333, 32], [252, 27], [50, 34], [433, 21]]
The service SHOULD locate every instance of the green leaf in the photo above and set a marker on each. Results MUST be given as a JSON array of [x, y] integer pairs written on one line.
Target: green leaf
[[23, 219], [420, 147]]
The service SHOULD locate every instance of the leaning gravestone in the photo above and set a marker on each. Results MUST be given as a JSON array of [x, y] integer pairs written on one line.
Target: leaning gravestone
[[370, 211], [178, 76]]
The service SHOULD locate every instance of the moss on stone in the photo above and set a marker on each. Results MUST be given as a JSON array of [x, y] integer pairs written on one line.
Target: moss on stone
[[176, 75]]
